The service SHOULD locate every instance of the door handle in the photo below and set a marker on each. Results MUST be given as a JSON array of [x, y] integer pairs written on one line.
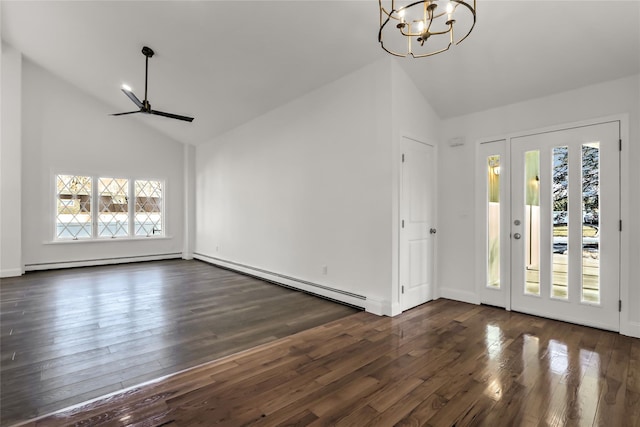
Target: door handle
[[432, 231], [517, 236]]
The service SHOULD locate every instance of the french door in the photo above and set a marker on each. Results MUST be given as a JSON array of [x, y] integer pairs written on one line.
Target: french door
[[562, 218]]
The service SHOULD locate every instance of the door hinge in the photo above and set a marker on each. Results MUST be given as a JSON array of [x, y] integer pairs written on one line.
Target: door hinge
[[620, 225], [403, 223], [403, 289], [620, 144], [402, 157], [619, 305]]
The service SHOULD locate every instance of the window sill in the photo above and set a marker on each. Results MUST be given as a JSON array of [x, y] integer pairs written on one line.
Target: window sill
[[105, 240]]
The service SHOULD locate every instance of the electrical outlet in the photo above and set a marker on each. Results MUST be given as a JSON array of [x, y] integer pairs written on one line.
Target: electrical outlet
[[325, 270]]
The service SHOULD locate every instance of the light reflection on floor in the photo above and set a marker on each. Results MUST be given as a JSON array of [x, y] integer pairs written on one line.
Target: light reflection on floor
[[564, 382], [102, 298]]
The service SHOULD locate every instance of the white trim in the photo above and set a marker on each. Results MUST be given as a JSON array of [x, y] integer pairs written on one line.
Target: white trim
[[377, 307], [458, 295], [105, 240], [630, 329], [626, 327], [562, 317], [394, 310], [188, 200], [11, 272], [100, 261], [561, 126], [382, 308], [296, 283], [396, 171]]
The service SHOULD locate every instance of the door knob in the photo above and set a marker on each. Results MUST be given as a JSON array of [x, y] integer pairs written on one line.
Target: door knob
[[517, 236], [432, 231]]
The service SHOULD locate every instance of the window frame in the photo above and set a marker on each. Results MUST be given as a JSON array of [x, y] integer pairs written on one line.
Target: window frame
[[98, 195], [132, 208], [55, 195], [95, 205]]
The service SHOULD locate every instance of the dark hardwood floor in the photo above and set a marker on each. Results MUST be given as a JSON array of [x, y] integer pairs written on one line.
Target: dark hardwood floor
[[444, 363], [68, 336]]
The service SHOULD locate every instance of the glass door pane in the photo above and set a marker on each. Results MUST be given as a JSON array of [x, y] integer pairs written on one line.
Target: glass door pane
[[532, 223], [493, 221], [493, 239], [591, 222], [560, 242]]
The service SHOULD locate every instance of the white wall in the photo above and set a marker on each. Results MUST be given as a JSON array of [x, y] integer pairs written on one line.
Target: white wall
[[412, 116], [10, 163], [65, 130], [189, 200], [305, 186], [308, 185], [457, 166]]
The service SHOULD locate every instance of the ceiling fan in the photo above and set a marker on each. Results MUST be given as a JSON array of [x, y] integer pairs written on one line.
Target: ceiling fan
[[144, 106]]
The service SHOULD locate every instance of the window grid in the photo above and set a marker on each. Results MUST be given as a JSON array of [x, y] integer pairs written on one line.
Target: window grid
[[73, 207], [113, 207], [92, 208], [148, 216]]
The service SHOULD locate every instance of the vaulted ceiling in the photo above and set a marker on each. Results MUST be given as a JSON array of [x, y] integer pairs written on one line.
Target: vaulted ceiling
[[226, 62]]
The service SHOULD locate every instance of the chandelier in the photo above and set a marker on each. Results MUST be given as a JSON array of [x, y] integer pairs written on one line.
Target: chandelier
[[426, 27]]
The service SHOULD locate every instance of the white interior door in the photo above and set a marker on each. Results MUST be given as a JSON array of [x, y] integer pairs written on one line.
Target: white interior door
[[565, 225], [417, 228]]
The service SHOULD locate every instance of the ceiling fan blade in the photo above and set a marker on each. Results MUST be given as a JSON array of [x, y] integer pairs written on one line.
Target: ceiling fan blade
[[128, 112], [133, 97], [171, 116]]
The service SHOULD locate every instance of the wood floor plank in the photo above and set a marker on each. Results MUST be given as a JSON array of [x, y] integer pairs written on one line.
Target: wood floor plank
[[425, 410], [444, 363], [632, 400], [76, 334], [611, 406]]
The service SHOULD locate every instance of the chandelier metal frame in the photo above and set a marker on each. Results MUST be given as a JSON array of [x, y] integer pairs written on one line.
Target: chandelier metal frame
[[420, 29]]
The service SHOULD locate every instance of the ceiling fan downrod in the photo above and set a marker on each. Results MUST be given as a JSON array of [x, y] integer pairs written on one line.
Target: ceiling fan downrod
[[148, 53]]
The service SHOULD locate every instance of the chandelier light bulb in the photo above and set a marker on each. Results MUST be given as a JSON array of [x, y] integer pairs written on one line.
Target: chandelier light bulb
[[126, 87], [420, 26], [449, 8], [450, 19]]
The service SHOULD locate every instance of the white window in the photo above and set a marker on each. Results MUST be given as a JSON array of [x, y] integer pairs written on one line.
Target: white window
[[148, 220], [73, 202], [113, 207], [105, 208]]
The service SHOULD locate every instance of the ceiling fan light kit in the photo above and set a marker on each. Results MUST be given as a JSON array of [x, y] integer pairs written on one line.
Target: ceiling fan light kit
[[426, 27], [145, 106]]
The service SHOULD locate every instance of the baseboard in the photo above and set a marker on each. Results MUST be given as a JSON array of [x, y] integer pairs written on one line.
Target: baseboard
[[11, 272], [391, 309], [377, 307], [293, 282], [100, 261], [458, 295], [630, 329]]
